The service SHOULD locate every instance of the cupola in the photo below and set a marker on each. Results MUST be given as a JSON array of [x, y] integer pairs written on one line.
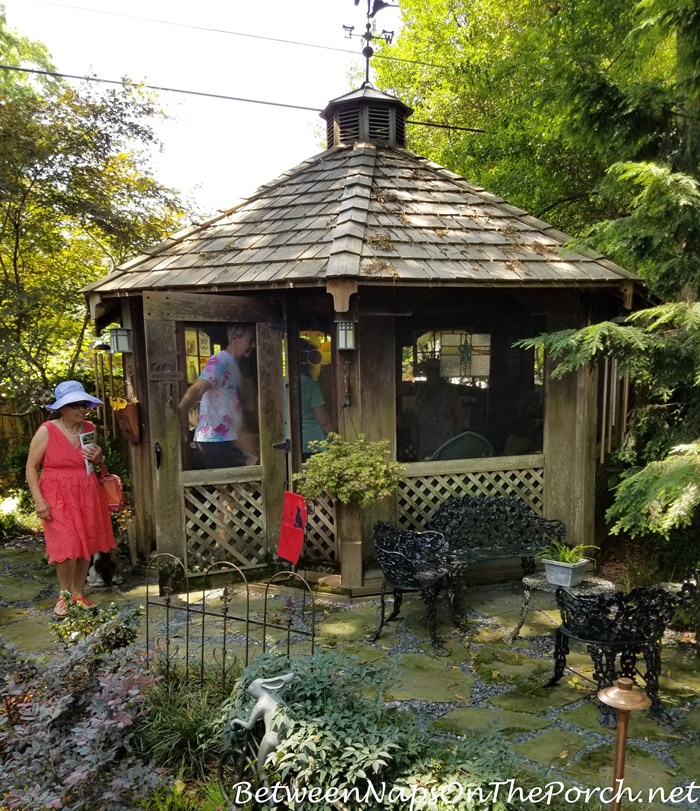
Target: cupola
[[366, 115]]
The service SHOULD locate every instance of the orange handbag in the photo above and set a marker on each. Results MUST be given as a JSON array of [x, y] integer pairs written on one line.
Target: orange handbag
[[113, 489]]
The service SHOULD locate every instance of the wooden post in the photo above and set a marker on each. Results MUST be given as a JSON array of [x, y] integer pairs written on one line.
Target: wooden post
[[164, 420], [270, 410], [349, 520], [569, 451]]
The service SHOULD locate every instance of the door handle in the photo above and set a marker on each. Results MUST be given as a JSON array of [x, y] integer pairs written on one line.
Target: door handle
[[159, 452]]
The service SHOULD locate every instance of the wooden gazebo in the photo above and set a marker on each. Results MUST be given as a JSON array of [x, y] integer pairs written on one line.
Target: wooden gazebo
[[422, 265]]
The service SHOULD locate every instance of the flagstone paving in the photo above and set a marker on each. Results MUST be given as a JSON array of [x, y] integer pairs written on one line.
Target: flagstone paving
[[485, 685]]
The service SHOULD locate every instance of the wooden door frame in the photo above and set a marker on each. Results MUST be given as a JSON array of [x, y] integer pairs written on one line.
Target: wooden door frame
[[165, 372]]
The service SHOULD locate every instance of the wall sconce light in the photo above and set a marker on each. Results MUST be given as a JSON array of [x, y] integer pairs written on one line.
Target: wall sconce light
[[346, 335], [120, 339]]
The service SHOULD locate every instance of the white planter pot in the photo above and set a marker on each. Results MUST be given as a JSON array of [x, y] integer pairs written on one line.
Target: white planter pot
[[564, 574]]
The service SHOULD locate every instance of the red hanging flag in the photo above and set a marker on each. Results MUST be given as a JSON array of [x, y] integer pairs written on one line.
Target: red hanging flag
[[293, 527]]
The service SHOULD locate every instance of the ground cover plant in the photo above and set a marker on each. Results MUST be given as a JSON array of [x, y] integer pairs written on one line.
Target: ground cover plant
[[342, 736], [92, 727], [66, 726]]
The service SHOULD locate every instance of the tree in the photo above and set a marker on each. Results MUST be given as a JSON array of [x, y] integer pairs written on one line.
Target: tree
[[76, 199], [588, 115], [575, 101], [660, 349]]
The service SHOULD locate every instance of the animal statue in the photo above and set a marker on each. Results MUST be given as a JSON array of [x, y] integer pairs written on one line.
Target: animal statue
[[267, 707]]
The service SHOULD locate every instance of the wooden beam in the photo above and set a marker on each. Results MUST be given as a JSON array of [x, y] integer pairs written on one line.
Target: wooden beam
[[210, 307]]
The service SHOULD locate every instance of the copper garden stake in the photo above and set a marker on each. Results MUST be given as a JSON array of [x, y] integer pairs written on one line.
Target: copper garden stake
[[625, 697]]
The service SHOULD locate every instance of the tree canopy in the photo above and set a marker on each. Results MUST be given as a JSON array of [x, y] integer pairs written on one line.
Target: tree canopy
[[77, 198], [587, 113]]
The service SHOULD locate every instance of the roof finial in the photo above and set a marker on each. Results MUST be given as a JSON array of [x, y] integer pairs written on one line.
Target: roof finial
[[373, 6]]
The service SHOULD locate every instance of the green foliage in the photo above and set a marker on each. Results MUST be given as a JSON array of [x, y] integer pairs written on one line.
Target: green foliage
[[660, 349], [180, 729], [66, 736], [325, 746], [660, 497], [573, 348], [183, 796], [77, 199], [658, 230], [117, 629], [356, 471], [584, 113], [563, 553], [14, 523]]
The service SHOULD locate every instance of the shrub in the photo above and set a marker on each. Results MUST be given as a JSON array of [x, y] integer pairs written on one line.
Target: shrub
[[342, 736], [357, 471], [66, 738], [14, 521]]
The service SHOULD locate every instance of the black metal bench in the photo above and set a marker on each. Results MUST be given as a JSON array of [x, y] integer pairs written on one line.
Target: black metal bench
[[489, 528], [411, 561], [625, 625]]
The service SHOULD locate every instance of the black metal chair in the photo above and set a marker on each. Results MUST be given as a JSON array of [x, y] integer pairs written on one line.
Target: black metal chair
[[611, 625], [411, 561]]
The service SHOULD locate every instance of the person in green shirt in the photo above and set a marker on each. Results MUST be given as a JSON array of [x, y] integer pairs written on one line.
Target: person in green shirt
[[315, 420]]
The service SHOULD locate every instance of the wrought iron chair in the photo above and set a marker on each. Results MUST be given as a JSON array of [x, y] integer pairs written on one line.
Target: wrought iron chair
[[411, 561], [611, 625]]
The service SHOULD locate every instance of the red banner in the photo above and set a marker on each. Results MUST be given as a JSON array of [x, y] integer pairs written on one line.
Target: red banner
[[293, 527]]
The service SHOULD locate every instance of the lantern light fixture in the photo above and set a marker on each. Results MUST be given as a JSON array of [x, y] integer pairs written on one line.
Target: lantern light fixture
[[346, 335], [120, 339]]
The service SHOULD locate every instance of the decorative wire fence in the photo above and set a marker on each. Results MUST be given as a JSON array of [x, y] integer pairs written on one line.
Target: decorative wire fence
[[220, 617]]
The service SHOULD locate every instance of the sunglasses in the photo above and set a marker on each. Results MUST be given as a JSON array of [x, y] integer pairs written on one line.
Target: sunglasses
[[80, 405]]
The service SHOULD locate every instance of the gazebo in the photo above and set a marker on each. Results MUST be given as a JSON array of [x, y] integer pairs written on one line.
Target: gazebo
[[390, 265]]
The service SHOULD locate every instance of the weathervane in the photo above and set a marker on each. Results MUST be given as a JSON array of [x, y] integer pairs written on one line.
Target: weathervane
[[373, 6]]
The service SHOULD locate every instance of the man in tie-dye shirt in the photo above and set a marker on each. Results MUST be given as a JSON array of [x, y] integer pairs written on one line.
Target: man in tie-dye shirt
[[218, 390]]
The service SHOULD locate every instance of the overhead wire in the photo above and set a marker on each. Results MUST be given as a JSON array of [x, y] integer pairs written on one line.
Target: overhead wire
[[237, 33], [221, 96]]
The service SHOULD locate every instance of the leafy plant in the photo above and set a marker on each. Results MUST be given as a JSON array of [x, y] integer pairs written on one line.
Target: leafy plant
[[68, 740], [13, 523], [116, 629], [660, 349], [179, 730], [355, 471], [563, 553], [661, 496], [325, 746]]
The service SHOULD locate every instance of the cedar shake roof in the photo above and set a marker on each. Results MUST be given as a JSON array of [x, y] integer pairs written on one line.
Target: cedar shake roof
[[376, 214]]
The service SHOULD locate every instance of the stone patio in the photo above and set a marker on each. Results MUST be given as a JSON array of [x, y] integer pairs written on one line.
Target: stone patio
[[487, 684]]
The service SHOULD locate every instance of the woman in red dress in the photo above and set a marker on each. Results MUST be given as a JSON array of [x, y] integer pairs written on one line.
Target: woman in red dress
[[67, 495]]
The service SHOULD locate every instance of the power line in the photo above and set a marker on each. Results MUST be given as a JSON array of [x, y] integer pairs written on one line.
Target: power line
[[236, 33], [57, 75]]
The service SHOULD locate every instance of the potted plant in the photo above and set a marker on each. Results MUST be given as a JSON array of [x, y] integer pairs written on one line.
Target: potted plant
[[357, 473], [352, 471], [564, 565]]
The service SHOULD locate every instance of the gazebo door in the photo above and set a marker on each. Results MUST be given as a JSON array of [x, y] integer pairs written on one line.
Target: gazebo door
[[229, 513]]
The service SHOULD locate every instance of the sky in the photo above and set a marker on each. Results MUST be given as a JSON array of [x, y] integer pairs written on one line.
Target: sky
[[215, 152]]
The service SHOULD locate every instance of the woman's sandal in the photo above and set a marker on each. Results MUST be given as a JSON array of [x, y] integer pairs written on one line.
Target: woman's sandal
[[82, 602], [60, 609]]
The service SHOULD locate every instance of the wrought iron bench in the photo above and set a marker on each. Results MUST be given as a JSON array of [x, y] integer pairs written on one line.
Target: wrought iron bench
[[625, 625], [411, 561], [489, 528]]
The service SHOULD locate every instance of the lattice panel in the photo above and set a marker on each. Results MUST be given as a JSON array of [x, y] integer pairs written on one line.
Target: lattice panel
[[420, 496], [225, 521], [321, 543]]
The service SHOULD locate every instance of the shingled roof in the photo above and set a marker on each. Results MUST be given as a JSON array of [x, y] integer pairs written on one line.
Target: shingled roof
[[374, 213]]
